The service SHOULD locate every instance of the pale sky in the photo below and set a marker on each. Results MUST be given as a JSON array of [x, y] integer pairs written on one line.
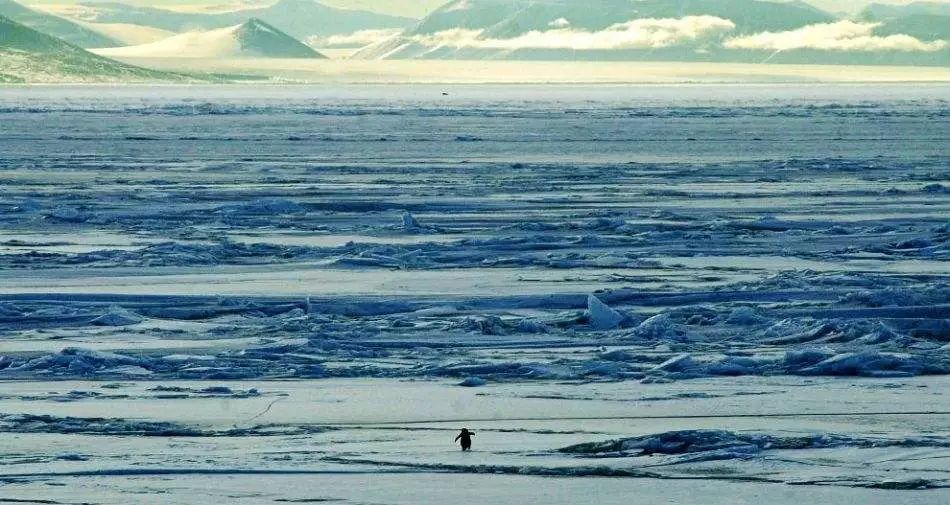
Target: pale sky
[[857, 5], [410, 8], [417, 8]]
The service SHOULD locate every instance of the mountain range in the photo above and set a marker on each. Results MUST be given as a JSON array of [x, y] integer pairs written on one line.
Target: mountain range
[[744, 31], [655, 30]]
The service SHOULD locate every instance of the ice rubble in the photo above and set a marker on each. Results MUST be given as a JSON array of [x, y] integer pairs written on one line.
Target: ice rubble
[[777, 319], [720, 444], [119, 391], [27, 423], [466, 253], [658, 327], [78, 362], [703, 334], [811, 361], [68, 214], [30, 423], [570, 248], [265, 207], [117, 316], [869, 364], [893, 296]]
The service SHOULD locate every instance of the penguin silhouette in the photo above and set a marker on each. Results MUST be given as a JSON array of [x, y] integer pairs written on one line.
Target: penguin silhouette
[[466, 438]]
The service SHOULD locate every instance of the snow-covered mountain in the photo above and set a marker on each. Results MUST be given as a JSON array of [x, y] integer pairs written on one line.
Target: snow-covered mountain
[[27, 55], [510, 19], [299, 18], [676, 30], [56, 26], [927, 20], [921, 26], [253, 38], [879, 11]]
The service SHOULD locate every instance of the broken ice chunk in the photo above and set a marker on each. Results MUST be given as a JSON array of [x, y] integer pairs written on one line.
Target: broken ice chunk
[[409, 222], [473, 382], [600, 316], [676, 364]]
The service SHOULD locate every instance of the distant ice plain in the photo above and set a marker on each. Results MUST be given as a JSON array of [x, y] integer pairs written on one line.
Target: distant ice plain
[[350, 71]]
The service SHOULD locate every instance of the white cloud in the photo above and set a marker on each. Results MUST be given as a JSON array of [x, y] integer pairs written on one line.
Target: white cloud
[[461, 6], [635, 34], [839, 36], [356, 39], [559, 23]]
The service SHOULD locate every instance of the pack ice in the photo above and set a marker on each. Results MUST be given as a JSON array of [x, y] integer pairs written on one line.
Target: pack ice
[[295, 295]]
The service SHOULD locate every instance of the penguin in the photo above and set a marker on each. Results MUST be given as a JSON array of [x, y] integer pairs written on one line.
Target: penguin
[[466, 438]]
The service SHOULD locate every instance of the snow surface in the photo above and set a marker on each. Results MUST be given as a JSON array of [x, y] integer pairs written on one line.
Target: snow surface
[[210, 44], [129, 34], [263, 295]]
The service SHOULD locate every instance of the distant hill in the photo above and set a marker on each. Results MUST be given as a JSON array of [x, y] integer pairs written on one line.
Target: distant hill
[[29, 56], [56, 26], [299, 18], [253, 38]]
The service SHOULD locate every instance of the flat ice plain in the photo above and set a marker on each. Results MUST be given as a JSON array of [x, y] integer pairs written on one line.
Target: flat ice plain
[[691, 294]]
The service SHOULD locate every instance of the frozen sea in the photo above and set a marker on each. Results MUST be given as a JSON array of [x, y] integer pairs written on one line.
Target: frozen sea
[[691, 294]]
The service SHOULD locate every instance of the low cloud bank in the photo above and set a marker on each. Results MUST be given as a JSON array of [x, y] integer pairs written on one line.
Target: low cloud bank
[[655, 33], [356, 39], [839, 36], [636, 34]]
